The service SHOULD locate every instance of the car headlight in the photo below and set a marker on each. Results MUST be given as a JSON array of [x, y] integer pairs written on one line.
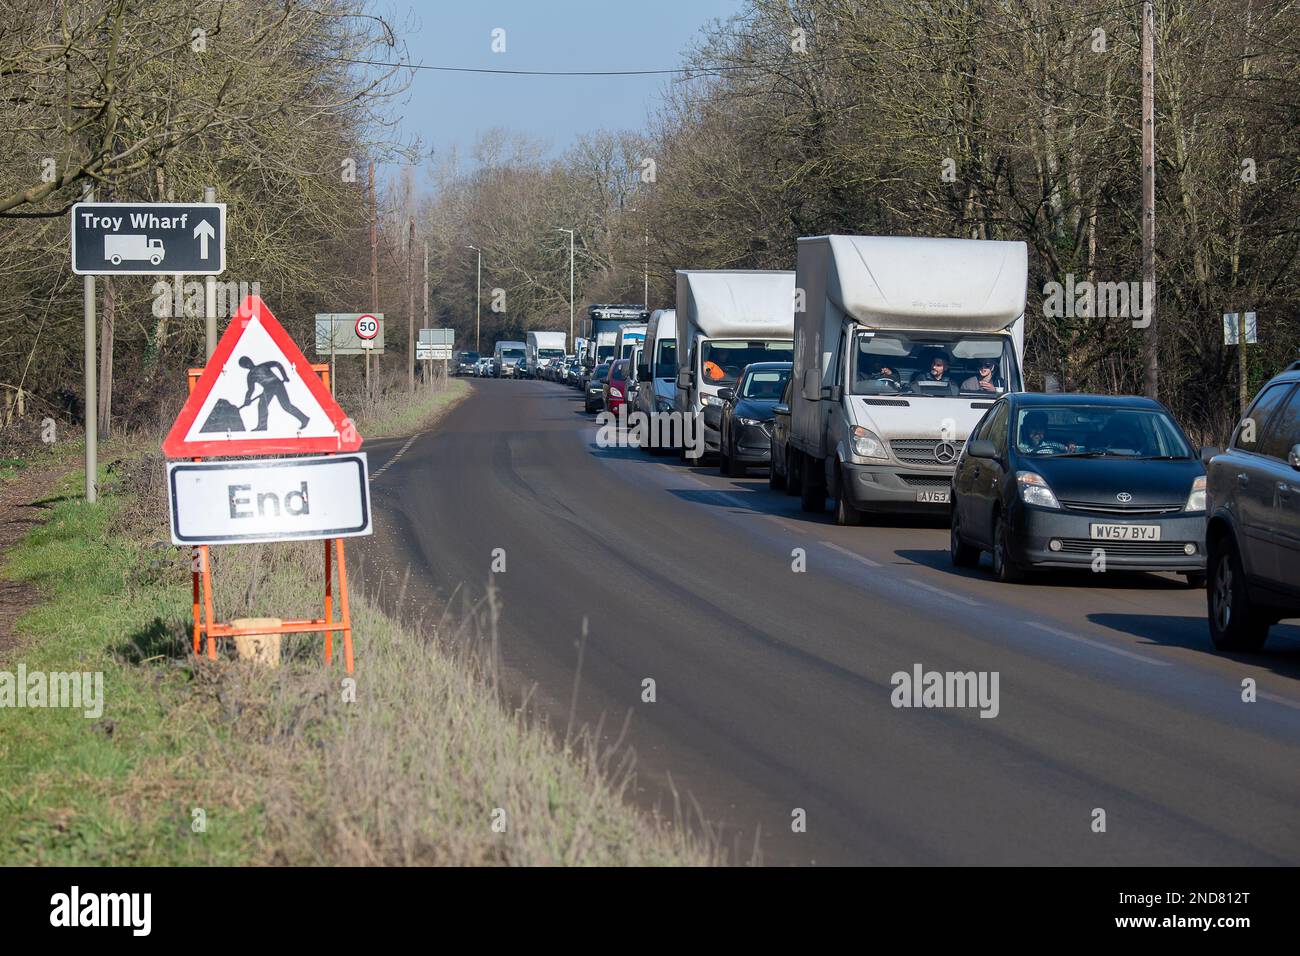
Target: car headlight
[[866, 444], [1196, 500], [615, 393], [1034, 490], [706, 399], [749, 421]]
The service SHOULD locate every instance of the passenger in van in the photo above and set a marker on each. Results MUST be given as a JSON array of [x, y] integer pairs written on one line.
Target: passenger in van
[[985, 379], [713, 371]]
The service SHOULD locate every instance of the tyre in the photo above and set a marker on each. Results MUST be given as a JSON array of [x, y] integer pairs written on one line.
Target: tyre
[[775, 479], [1004, 569], [793, 483], [1235, 623], [812, 494], [734, 468], [724, 463], [846, 515], [963, 555]]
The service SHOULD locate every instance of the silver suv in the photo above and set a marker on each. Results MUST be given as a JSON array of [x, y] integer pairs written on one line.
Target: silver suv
[[1253, 534]]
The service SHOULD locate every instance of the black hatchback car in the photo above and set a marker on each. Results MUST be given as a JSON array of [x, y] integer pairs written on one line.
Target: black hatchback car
[[1079, 481], [745, 428]]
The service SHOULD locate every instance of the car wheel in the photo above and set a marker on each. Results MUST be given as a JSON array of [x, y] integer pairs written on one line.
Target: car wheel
[[1235, 624], [1004, 569], [734, 468], [724, 462], [793, 483], [846, 515], [812, 495], [775, 479], [963, 555]]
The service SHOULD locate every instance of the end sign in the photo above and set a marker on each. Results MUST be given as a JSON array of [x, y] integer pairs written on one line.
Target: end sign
[[148, 238]]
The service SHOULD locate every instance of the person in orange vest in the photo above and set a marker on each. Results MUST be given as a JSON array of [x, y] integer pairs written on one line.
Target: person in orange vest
[[713, 371]]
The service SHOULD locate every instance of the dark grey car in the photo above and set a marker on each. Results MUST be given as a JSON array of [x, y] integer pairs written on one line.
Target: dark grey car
[[1253, 534]]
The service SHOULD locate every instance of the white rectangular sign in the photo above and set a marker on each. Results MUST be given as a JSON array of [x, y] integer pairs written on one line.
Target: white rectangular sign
[[423, 352], [269, 499]]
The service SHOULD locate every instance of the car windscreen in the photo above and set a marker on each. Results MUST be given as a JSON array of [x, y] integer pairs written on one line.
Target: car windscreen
[[722, 360], [512, 353], [1097, 431], [550, 353], [617, 374], [764, 384], [601, 372], [604, 351], [932, 364], [666, 359]]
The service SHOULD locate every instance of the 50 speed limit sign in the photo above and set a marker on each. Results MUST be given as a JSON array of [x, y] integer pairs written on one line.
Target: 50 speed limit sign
[[367, 327]]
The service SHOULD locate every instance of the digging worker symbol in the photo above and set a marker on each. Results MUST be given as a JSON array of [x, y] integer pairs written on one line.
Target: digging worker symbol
[[271, 376]]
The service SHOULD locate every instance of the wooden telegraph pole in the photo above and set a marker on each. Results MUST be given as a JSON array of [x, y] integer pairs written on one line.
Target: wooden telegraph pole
[[410, 307], [1152, 376], [374, 264]]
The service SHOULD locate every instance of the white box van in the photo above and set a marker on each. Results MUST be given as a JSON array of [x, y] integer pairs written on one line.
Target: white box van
[[902, 345], [541, 348], [657, 370], [507, 357], [727, 319]]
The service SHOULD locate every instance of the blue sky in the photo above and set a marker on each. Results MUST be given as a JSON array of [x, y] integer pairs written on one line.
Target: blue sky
[[447, 109]]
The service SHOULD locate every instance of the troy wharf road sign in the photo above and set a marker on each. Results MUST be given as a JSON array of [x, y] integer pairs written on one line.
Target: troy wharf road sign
[[274, 499], [146, 238], [258, 396]]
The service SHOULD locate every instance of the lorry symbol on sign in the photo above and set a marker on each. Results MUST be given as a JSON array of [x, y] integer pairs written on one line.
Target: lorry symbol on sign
[[133, 247]]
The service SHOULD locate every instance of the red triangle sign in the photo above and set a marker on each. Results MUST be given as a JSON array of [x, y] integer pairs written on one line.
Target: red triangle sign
[[258, 395]]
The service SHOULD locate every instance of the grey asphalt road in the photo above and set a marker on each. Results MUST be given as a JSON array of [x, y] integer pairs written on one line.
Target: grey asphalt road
[[773, 685]]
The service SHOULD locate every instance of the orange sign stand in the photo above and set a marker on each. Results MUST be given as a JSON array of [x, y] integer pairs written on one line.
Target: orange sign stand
[[209, 630]]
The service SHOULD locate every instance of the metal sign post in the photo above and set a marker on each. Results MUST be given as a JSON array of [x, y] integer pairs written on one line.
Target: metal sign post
[[92, 397]]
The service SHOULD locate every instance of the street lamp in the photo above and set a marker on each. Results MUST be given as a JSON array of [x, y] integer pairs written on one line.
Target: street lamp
[[571, 342], [478, 297]]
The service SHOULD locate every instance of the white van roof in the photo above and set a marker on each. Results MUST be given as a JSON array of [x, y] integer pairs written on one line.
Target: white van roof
[[748, 302], [966, 285]]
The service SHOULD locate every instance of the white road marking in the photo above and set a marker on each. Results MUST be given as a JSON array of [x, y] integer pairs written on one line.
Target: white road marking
[[946, 593], [1097, 644], [850, 554], [400, 452], [1285, 702]]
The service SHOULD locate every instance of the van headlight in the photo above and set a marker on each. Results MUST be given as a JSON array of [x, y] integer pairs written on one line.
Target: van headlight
[[866, 444], [1034, 490], [663, 405], [1196, 500], [707, 399]]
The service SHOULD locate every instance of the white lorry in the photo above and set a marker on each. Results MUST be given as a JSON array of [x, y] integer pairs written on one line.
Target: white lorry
[[133, 247], [902, 345], [726, 319], [542, 348]]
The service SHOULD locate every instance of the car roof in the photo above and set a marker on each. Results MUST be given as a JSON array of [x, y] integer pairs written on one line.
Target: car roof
[[1050, 399], [768, 366]]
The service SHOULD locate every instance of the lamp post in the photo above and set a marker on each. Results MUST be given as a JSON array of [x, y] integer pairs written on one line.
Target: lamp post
[[570, 232], [478, 297]]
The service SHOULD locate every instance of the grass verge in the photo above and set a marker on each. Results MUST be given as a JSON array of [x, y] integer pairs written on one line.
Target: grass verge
[[194, 762]]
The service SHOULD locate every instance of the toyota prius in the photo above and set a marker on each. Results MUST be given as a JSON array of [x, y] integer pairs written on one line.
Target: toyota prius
[[1079, 481]]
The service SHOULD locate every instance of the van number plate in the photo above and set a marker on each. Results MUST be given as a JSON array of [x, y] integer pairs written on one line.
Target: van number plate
[[1126, 532], [939, 497]]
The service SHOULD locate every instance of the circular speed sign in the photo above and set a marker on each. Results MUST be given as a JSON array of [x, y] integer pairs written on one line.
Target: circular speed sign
[[367, 327]]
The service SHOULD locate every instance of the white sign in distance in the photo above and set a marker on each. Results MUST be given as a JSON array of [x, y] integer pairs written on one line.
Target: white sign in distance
[[423, 352], [269, 499]]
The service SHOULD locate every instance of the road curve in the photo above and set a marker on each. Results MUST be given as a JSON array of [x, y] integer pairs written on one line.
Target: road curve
[[773, 685]]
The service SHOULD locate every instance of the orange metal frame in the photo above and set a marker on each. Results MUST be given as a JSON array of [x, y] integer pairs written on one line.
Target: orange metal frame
[[207, 626]]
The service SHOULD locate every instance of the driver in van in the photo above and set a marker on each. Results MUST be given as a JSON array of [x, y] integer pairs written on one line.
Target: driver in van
[[936, 373]]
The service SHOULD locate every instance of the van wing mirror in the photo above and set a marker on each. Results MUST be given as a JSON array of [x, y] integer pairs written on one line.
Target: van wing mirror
[[982, 448], [684, 379], [643, 371], [832, 393], [1209, 451]]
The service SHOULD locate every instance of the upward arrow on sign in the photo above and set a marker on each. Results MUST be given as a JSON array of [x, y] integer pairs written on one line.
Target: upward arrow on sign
[[204, 231]]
